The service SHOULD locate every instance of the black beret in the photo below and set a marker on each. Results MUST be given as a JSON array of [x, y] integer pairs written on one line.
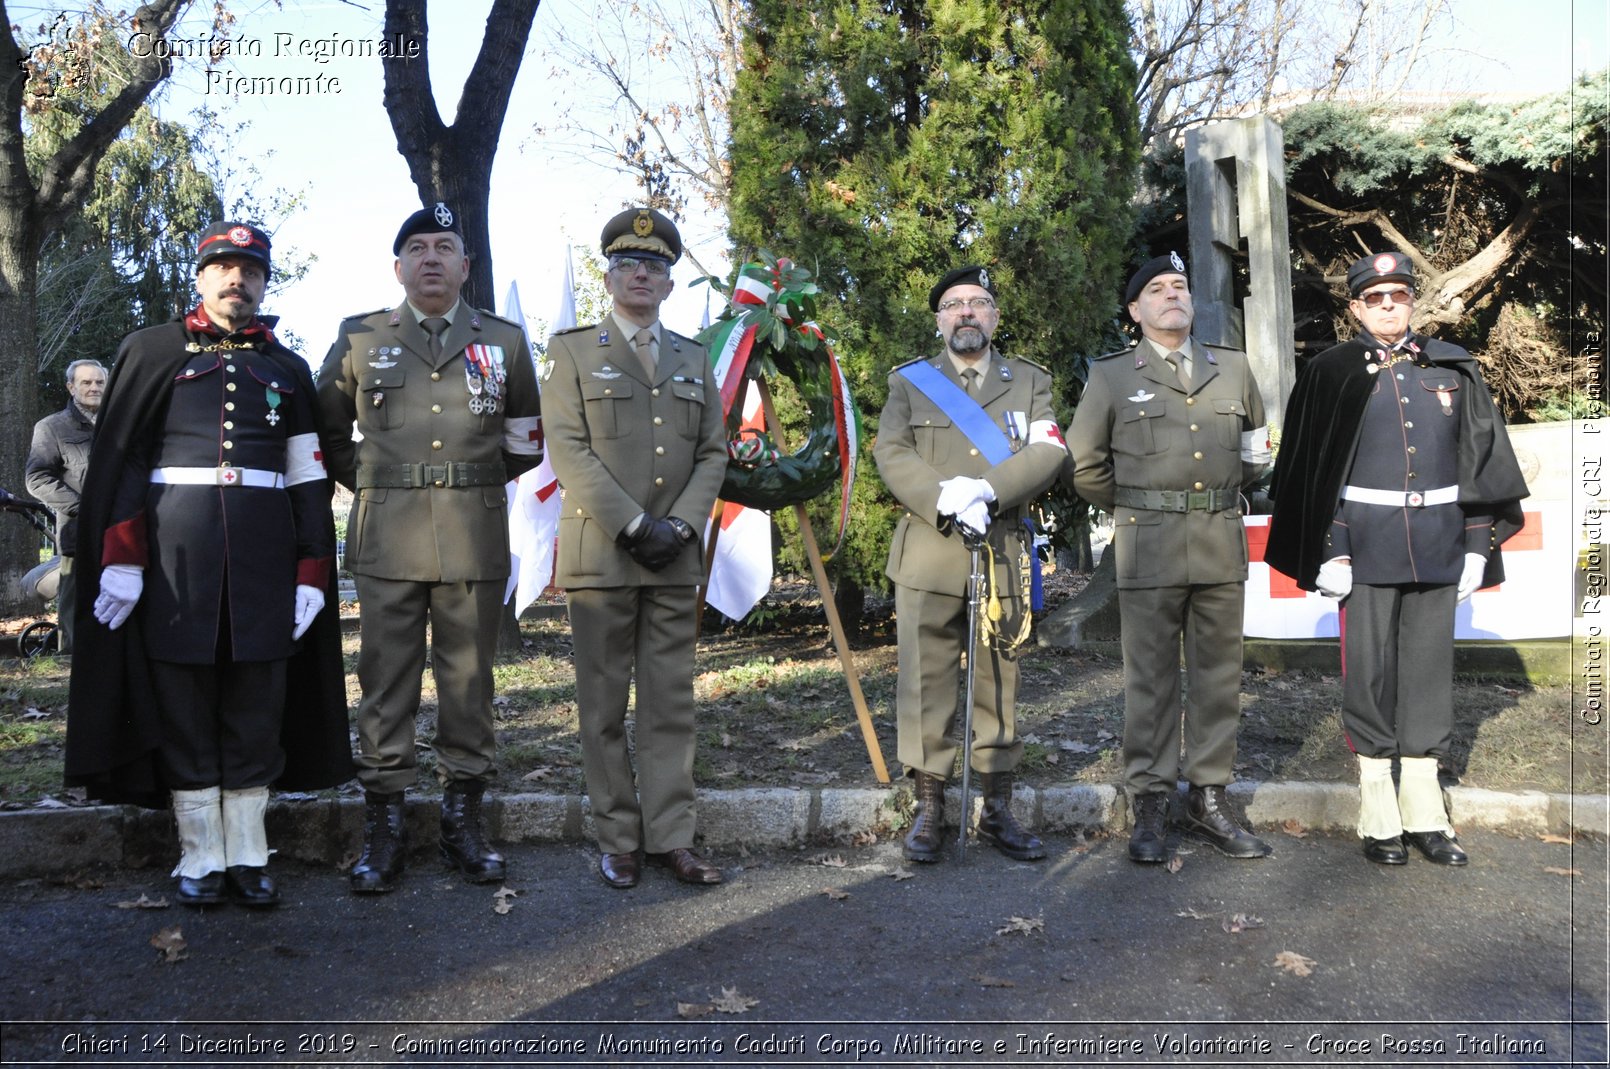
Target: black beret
[[641, 230], [437, 219], [233, 239], [971, 275], [1160, 265], [1379, 267]]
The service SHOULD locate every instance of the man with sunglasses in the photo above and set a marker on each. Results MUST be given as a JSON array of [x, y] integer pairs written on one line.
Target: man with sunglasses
[[635, 434], [1394, 488], [1165, 437], [966, 442]]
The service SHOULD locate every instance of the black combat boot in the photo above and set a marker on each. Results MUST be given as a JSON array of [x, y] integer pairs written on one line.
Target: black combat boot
[[1148, 840], [384, 842], [463, 845], [924, 840], [997, 825], [1208, 818]]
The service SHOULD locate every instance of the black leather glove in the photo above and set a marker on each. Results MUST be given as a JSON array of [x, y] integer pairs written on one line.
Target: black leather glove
[[655, 544]]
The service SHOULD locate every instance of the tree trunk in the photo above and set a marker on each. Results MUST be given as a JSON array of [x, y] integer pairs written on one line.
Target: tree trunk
[[19, 401]]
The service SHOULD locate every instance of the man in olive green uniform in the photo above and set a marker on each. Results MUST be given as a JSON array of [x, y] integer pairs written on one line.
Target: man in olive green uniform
[[445, 397], [1165, 437], [966, 439], [635, 435]]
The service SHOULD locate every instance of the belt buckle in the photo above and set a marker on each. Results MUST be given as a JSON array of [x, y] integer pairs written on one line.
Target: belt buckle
[[439, 475], [1199, 499], [1415, 499], [227, 476]]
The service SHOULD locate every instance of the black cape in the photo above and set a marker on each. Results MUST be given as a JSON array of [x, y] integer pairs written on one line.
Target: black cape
[[113, 729], [1323, 420]]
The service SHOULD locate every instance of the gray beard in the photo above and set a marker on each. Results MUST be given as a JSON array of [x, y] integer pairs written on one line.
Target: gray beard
[[967, 340]]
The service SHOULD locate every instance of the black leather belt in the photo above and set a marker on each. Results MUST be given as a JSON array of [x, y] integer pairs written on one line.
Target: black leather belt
[[1215, 500], [449, 474]]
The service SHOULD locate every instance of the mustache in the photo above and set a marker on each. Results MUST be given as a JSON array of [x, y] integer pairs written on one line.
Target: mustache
[[236, 291]]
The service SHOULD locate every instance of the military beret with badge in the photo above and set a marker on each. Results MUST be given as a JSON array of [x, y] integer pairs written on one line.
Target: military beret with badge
[[971, 275], [233, 239], [1159, 265], [436, 219]]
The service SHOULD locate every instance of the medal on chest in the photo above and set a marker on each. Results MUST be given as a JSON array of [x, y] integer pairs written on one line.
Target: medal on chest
[[484, 376], [273, 397]]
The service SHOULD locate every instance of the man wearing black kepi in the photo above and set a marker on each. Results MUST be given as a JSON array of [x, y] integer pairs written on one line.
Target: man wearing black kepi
[[967, 439], [207, 663], [635, 435], [445, 397], [1165, 437], [55, 476], [1394, 488]]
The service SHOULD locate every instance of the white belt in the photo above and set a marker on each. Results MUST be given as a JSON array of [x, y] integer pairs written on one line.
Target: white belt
[[1413, 499], [270, 480]]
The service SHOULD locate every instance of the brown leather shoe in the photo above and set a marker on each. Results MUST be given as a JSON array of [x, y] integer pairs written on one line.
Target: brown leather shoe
[[620, 870], [687, 866]]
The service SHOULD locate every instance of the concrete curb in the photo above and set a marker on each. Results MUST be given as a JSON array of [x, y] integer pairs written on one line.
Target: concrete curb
[[58, 841]]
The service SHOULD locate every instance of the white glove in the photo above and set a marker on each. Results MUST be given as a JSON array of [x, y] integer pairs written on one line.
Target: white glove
[[958, 493], [1470, 579], [974, 516], [309, 600], [1335, 579], [121, 585]]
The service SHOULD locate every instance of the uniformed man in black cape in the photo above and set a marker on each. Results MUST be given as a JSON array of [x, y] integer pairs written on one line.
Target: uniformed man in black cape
[[1394, 487], [208, 664]]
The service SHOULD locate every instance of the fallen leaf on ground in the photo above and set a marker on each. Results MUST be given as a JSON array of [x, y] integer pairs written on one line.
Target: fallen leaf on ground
[[537, 774], [1175, 863], [1551, 870], [144, 903], [993, 981], [1195, 915], [693, 1010], [835, 894], [503, 900], [1295, 829], [865, 838], [170, 941], [902, 874], [1563, 840], [832, 861], [1074, 746], [1293, 962], [1026, 925], [732, 1002], [1240, 922], [35, 714], [1053, 759]]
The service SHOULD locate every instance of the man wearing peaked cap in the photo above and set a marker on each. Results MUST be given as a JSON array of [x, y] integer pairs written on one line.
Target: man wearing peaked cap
[[208, 666], [1395, 487], [445, 397], [967, 440], [1165, 438], [635, 435]]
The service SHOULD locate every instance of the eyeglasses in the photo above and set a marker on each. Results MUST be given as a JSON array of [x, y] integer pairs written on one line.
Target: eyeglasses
[[1398, 296], [628, 265], [972, 304]]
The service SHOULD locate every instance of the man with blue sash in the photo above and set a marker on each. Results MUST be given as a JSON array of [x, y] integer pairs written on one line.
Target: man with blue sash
[[967, 438], [1164, 438]]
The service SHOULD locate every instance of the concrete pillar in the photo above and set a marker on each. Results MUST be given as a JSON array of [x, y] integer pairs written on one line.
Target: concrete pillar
[[1235, 190]]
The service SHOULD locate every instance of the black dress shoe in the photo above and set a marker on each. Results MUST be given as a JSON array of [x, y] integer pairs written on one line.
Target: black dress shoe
[[620, 870], [1386, 851], [205, 890], [1437, 847], [687, 866], [251, 886]]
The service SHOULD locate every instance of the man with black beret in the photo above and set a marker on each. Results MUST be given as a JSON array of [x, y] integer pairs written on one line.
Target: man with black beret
[[1395, 486], [208, 665], [966, 442], [445, 398], [1165, 437], [635, 435]]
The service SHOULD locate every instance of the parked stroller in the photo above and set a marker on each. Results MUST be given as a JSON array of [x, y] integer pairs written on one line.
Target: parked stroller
[[40, 582]]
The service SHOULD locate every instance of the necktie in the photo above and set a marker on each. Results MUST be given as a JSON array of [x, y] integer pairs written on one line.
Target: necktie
[[435, 326], [1182, 366], [970, 377], [643, 342]]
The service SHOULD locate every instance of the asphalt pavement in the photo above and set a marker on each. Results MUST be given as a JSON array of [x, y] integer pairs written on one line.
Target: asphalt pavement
[[837, 955]]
